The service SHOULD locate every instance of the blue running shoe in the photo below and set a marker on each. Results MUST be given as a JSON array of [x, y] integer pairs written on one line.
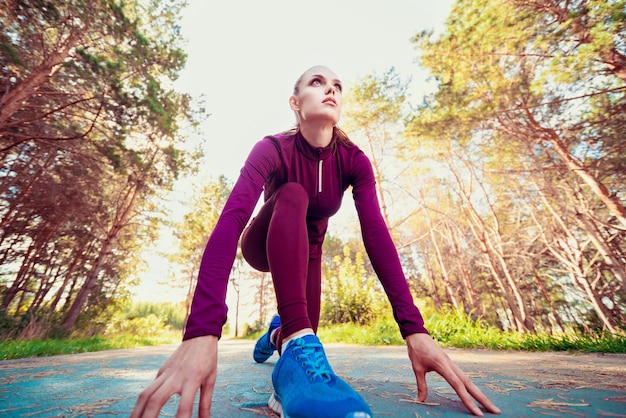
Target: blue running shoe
[[306, 386], [264, 348]]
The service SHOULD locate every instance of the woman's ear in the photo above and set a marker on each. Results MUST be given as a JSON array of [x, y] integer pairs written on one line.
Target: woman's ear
[[293, 103]]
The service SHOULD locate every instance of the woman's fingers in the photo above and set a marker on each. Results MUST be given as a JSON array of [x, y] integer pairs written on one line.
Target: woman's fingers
[[206, 392], [152, 399], [206, 396], [474, 390], [193, 366], [426, 356], [185, 406], [460, 383], [422, 386]]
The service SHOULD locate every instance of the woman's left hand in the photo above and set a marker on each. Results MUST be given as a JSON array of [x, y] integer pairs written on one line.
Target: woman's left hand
[[426, 356]]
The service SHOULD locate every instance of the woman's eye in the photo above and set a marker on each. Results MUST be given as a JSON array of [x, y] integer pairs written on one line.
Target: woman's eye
[[316, 82], [338, 87]]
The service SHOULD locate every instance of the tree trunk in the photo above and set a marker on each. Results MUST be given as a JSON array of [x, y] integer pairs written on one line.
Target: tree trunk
[[23, 277], [611, 201], [571, 257], [466, 280], [12, 101], [88, 286], [433, 283], [612, 260], [68, 275], [495, 258], [378, 176], [120, 220], [442, 266]]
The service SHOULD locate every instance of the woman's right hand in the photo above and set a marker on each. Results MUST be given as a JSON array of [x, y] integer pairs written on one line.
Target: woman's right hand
[[193, 366]]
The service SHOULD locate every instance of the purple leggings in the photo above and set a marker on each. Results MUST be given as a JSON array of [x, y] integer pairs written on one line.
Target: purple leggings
[[277, 241]]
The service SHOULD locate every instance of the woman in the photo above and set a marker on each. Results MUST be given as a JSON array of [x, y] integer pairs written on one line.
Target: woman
[[303, 174]]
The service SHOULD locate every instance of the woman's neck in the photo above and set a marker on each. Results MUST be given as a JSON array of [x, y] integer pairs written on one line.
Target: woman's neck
[[317, 136]]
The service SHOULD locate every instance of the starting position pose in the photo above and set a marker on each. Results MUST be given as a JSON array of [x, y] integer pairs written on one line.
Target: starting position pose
[[303, 174]]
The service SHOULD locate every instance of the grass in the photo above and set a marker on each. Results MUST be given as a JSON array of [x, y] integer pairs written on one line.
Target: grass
[[11, 349], [450, 329], [456, 329]]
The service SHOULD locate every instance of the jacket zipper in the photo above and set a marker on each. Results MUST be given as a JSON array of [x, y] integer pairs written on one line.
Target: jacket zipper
[[319, 178]]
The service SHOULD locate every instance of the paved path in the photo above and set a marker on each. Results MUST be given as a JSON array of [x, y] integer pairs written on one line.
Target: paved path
[[521, 384]]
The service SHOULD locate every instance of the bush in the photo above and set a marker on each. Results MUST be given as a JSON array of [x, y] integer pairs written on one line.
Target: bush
[[29, 325], [172, 315], [147, 325], [146, 318], [349, 296]]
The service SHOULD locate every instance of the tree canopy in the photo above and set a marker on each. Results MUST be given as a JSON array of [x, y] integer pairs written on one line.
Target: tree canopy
[[90, 132], [527, 119], [503, 189]]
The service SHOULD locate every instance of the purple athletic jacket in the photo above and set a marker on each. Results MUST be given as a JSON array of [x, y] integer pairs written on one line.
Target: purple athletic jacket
[[325, 173]]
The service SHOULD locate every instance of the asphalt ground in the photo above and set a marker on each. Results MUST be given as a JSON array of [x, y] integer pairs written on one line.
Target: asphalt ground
[[522, 384]]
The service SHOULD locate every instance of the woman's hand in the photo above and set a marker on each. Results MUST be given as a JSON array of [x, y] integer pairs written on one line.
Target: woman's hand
[[426, 356], [193, 366]]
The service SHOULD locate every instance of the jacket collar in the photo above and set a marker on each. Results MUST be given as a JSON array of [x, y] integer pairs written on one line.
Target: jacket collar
[[314, 153]]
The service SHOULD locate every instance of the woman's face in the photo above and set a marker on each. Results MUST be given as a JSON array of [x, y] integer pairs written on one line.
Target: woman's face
[[318, 97]]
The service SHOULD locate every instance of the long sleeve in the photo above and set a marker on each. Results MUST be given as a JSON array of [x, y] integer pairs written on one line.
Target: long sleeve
[[208, 309], [381, 249]]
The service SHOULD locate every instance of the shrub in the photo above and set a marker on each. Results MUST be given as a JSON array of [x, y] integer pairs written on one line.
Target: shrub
[[349, 295]]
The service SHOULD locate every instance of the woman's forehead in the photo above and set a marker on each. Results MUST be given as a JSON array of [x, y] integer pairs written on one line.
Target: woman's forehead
[[320, 70]]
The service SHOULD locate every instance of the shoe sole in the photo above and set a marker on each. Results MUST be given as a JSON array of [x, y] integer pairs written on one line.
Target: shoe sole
[[275, 405]]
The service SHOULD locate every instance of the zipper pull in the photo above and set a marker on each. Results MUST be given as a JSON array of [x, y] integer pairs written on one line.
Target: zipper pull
[[319, 179]]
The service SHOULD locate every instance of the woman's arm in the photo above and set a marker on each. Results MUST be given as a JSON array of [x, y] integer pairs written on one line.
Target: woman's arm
[[208, 309], [193, 365], [424, 353], [381, 249]]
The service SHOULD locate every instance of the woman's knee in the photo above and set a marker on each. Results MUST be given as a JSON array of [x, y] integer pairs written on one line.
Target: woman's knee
[[292, 194]]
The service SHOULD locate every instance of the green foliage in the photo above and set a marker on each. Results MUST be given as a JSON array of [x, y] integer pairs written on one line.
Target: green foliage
[[197, 225], [27, 325], [146, 318], [348, 294], [375, 103], [90, 140], [594, 343], [382, 331], [525, 198], [454, 328], [125, 325], [10, 55], [12, 349], [172, 315], [147, 325], [194, 231]]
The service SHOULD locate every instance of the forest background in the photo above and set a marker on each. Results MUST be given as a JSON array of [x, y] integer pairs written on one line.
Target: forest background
[[503, 186]]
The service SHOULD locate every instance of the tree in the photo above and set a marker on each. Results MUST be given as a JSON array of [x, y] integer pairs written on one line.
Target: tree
[[77, 69], [374, 115], [89, 136], [534, 93], [193, 232]]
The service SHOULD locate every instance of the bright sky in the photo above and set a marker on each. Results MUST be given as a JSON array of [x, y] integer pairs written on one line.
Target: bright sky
[[245, 55]]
